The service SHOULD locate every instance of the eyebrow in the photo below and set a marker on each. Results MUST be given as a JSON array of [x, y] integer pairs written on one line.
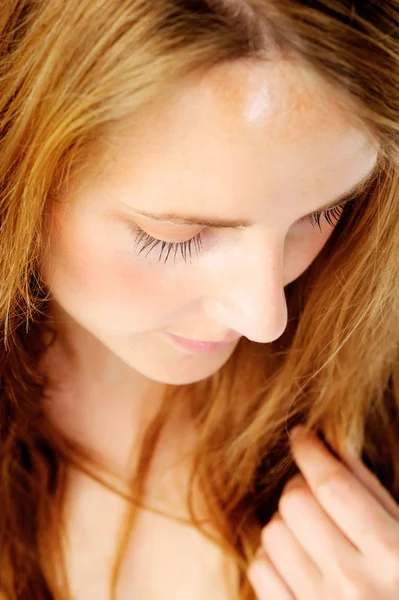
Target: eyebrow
[[176, 219]]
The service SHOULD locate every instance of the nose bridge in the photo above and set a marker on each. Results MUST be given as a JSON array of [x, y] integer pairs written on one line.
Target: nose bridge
[[251, 297]]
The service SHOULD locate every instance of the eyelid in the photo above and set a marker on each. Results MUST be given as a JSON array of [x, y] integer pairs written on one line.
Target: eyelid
[[171, 237], [196, 240], [335, 206], [185, 246], [185, 229]]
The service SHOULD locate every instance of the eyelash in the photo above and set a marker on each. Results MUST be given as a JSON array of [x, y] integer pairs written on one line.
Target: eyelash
[[332, 215]]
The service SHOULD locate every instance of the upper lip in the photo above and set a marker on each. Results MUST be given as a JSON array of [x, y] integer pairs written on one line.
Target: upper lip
[[227, 340]]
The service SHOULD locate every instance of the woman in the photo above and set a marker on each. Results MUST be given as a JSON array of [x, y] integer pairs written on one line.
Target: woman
[[199, 252]]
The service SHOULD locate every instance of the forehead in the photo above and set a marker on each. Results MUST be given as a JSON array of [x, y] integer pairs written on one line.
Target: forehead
[[277, 97], [247, 124]]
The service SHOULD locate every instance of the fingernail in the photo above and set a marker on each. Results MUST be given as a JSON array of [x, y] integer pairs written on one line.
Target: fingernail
[[351, 450], [297, 432], [260, 553], [351, 454]]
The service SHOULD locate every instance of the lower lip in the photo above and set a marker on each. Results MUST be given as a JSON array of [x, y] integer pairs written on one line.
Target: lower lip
[[197, 347]]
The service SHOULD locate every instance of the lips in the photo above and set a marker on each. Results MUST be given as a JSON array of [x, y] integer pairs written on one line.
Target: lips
[[196, 346], [227, 340]]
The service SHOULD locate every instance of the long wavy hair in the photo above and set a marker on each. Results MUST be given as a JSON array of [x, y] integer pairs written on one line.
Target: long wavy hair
[[69, 72]]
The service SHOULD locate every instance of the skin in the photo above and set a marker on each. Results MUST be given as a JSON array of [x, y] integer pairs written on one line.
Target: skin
[[262, 142], [345, 543]]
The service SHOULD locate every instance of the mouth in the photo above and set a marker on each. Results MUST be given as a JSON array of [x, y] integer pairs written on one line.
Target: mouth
[[199, 346]]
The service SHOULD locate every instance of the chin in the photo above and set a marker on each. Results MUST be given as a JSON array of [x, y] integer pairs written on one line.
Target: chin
[[184, 369]]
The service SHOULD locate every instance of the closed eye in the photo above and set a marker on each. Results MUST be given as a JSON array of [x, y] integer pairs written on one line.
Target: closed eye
[[331, 215], [146, 242]]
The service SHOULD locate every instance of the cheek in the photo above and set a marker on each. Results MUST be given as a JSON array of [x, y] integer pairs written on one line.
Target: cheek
[[302, 248], [102, 285]]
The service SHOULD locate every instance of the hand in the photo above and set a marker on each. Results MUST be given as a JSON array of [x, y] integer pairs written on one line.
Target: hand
[[335, 535]]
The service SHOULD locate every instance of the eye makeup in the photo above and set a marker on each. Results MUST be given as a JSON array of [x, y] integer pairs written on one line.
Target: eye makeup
[[146, 242]]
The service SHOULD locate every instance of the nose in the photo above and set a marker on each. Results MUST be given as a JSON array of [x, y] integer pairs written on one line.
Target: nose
[[250, 296]]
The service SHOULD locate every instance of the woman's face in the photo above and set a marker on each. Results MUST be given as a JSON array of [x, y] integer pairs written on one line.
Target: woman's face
[[253, 143]]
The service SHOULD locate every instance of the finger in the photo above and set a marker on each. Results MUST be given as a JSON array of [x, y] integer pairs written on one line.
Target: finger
[[266, 581], [291, 561], [322, 541], [345, 499], [372, 483]]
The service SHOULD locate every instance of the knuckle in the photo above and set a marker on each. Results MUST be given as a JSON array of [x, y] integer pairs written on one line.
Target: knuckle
[[294, 488], [336, 480], [297, 481], [352, 584], [393, 579], [354, 591], [268, 532], [389, 544], [390, 564]]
